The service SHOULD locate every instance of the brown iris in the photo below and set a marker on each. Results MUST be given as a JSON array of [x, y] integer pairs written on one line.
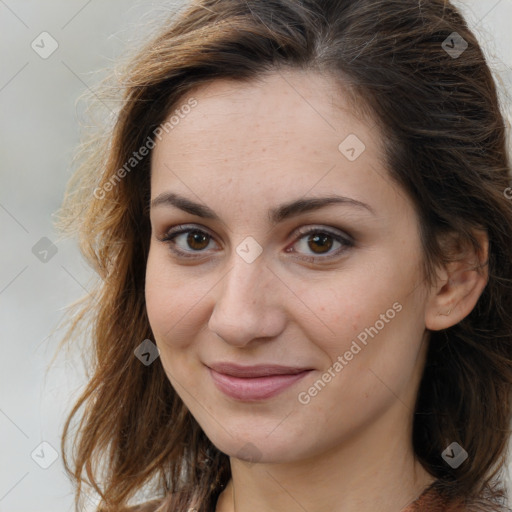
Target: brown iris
[[322, 240], [196, 239]]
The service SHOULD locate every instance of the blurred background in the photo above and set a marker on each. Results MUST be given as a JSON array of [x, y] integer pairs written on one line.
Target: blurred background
[[52, 52]]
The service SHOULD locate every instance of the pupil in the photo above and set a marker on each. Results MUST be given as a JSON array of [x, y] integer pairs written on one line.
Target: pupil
[[323, 240], [195, 237]]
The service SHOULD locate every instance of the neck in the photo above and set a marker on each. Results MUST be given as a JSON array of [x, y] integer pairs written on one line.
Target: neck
[[375, 466]]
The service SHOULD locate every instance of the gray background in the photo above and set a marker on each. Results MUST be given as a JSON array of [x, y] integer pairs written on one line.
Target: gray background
[[38, 133]]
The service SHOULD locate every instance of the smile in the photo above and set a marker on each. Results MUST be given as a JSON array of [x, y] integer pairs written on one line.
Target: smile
[[257, 383]]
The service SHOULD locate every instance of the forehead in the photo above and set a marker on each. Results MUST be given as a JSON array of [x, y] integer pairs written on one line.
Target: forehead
[[246, 147], [289, 118]]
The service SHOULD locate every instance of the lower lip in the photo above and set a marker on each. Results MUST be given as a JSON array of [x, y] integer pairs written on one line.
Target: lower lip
[[255, 388]]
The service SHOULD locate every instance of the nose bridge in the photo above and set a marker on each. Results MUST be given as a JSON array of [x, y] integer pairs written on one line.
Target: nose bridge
[[245, 306]]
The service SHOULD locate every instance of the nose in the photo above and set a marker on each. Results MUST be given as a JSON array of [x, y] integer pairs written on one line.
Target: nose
[[247, 304]]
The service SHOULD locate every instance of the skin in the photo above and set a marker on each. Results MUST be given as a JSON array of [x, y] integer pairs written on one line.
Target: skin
[[245, 149]]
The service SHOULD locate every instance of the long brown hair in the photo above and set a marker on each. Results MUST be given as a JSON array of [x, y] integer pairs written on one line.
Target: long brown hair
[[446, 147]]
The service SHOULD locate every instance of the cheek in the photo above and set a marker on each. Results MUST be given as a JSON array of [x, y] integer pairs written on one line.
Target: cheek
[[174, 301], [162, 291], [157, 296], [339, 313], [168, 308], [373, 322], [380, 357]]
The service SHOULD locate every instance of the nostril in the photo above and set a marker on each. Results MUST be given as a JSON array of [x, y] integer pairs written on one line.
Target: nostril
[[219, 336]]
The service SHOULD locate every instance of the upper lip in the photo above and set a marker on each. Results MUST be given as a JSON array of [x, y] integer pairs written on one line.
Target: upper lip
[[261, 370]]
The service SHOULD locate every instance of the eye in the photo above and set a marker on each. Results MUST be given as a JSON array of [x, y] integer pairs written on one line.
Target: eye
[[185, 241], [322, 243]]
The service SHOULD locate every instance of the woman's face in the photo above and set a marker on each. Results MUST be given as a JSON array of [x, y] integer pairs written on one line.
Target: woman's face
[[278, 238]]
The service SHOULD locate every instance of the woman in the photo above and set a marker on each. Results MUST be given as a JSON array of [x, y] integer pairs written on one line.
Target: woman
[[305, 249]]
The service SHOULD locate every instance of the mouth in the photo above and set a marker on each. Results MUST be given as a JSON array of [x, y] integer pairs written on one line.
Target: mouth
[[253, 383]]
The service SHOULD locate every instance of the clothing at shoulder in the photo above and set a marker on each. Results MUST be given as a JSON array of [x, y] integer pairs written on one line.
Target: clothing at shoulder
[[432, 501], [429, 501]]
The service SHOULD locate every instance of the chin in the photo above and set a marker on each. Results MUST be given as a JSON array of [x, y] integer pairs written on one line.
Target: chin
[[256, 443], [257, 449]]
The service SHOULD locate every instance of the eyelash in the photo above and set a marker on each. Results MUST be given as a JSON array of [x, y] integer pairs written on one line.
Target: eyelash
[[345, 241]]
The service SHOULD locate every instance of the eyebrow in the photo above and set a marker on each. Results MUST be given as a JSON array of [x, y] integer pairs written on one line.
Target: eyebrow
[[276, 215]]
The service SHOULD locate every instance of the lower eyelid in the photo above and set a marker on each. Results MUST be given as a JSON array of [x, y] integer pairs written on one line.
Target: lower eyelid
[[345, 244]]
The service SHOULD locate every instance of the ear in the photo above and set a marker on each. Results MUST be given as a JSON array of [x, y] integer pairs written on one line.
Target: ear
[[459, 283]]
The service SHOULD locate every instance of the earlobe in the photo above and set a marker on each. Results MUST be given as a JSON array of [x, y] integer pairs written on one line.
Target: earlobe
[[459, 285]]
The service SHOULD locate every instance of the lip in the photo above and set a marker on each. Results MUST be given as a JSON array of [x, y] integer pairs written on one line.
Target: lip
[[252, 383]]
